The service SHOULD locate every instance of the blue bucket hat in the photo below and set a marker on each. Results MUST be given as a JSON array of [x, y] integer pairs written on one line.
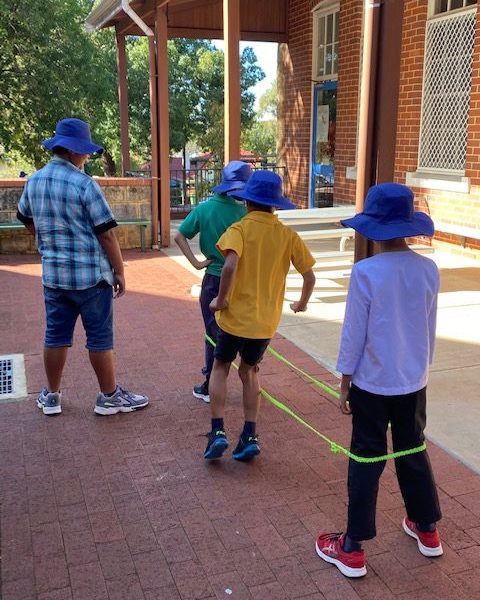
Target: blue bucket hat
[[264, 187], [234, 177], [73, 134], [388, 214]]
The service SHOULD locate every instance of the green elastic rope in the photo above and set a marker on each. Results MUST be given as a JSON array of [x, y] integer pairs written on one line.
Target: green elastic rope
[[334, 447]]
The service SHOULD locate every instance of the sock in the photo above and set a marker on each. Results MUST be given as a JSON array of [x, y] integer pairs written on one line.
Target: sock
[[110, 394], [217, 424], [426, 527], [249, 430], [350, 545]]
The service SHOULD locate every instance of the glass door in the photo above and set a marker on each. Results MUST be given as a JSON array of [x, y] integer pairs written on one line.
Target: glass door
[[323, 144]]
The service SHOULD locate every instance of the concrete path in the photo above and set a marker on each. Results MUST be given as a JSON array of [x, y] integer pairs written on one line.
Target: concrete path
[[125, 508], [453, 398]]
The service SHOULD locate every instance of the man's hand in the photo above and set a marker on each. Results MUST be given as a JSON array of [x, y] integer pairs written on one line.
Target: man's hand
[[298, 306], [118, 285], [215, 305]]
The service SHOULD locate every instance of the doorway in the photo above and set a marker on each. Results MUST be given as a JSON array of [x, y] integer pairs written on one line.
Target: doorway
[[322, 172]]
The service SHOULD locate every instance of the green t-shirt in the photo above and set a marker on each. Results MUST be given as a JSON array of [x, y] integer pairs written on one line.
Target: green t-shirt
[[210, 219]]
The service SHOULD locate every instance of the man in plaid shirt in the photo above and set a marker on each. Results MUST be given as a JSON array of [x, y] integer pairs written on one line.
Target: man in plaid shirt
[[81, 263]]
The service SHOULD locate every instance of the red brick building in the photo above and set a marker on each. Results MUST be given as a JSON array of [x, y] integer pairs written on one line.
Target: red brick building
[[437, 115]]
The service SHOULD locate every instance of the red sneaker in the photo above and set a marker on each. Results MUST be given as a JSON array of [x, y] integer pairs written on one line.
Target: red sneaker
[[428, 542], [329, 547]]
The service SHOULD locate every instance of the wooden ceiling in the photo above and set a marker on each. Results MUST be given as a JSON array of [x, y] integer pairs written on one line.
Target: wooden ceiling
[[260, 20]]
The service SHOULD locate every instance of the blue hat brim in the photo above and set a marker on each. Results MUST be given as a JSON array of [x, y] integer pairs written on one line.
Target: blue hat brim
[[280, 203], [372, 229], [228, 186], [72, 144]]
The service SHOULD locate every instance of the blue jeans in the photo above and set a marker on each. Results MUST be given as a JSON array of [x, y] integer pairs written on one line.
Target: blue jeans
[[95, 307], [210, 286]]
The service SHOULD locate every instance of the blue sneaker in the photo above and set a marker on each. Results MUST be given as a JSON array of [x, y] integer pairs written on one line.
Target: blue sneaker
[[246, 449], [50, 402], [217, 444]]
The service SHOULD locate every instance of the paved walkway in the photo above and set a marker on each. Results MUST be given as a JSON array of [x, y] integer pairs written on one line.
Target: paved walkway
[[125, 508], [453, 400]]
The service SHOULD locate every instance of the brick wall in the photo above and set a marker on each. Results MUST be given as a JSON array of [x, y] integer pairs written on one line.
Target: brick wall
[[460, 208], [295, 73], [295, 64], [350, 34], [295, 111], [129, 198]]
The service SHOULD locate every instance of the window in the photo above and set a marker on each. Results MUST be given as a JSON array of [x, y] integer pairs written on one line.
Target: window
[[325, 42], [446, 87], [443, 6]]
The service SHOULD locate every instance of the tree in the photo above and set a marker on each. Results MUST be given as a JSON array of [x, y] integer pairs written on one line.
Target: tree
[[51, 69], [210, 111], [196, 83], [261, 137]]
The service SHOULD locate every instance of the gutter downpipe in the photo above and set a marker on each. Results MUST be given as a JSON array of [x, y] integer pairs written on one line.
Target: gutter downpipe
[[366, 165]]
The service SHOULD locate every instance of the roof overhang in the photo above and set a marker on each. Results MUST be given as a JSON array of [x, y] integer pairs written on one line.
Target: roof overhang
[[261, 20], [102, 15]]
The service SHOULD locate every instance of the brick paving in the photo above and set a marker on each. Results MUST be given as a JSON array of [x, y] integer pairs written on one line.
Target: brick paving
[[125, 507]]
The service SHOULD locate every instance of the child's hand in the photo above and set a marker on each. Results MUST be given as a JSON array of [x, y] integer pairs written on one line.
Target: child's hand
[[298, 307], [201, 264], [118, 285], [216, 305], [344, 402]]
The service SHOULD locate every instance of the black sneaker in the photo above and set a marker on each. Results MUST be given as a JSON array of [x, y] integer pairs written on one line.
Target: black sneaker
[[246, 449], [217, 444], [201, 391]]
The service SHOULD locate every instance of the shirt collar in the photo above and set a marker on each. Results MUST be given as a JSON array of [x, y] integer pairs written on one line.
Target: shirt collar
[[224, 199], [62, 161], [262, 217]]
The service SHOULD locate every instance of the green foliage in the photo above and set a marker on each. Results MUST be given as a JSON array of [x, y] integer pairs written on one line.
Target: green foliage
[[51, 68], [261, 137]]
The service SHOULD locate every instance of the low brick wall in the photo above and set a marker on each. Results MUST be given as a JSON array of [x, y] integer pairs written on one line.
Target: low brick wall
[[128, 197]]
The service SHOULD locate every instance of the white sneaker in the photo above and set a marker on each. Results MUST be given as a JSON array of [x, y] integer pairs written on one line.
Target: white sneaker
[[50, 402], [121, 401]]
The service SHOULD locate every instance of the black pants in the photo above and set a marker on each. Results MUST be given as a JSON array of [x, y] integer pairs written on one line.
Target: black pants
[[371, 414], [210, 286]]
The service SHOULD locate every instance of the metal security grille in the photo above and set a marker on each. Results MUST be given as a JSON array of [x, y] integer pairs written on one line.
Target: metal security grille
[[6, 376], [446, 92]]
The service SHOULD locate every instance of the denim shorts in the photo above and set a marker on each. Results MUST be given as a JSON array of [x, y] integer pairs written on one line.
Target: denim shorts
[[250, 350], [95, 307]]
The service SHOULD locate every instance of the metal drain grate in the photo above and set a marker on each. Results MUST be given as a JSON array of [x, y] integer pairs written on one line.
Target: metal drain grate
[[6, 376], [13, 383]]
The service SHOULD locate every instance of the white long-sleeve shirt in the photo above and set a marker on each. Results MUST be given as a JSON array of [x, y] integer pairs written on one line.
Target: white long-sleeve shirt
[[388, 334]]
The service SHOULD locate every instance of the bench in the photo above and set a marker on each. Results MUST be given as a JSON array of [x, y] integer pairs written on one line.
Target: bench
[[141, 223], [461, 231]]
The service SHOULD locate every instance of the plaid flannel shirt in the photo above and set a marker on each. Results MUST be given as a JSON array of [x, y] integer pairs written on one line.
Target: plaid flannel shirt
[[68, 210]]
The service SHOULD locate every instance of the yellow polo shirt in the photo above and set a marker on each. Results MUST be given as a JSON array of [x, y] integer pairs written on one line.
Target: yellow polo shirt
[[265, 248]]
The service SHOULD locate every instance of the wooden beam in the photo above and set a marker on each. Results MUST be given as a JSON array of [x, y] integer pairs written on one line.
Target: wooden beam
[[161, 37], [217, 34], [155, 162], [365, 163], [123, 103], [231, 29]]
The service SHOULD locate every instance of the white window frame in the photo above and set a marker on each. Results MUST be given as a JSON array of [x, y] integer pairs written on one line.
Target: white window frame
[[432, 14], [439, 178], [323, 9]]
